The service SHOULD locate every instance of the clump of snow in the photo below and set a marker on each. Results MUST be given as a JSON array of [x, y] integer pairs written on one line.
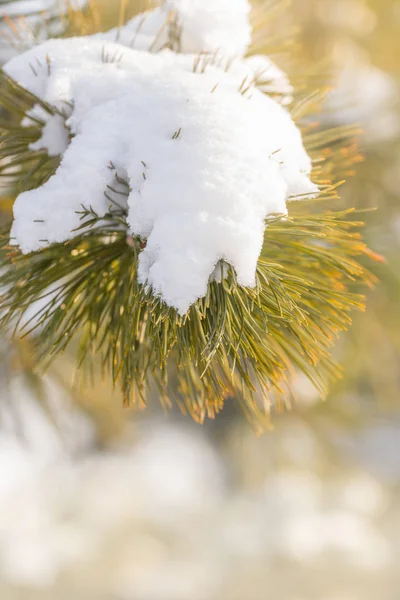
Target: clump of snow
[[206, 162], [54, 138], [212, 25], [218, 29], [207, 153], [190, 27]]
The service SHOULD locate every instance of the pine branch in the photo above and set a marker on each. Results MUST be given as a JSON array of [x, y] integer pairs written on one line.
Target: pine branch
[[228, 342]]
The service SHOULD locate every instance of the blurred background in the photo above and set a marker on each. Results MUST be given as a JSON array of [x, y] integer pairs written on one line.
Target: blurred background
[[97, 503]]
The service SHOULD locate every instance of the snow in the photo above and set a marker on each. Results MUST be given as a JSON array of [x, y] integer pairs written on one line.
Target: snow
[[158, 514], [219, 28], [55, 137], [207, 154], [190, 27]]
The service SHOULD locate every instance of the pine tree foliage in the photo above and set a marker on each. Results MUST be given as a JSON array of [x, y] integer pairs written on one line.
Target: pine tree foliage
[[235, 342]]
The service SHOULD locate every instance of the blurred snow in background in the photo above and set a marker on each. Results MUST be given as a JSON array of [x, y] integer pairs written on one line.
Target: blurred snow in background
[[364, 95], [172, 511]]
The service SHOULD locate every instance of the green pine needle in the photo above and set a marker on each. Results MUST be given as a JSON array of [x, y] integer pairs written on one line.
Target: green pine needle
[[21, 169], [234, 342]]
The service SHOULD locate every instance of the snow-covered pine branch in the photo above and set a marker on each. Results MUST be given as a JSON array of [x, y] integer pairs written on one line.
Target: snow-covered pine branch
[[150, 159], [207, 155]]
